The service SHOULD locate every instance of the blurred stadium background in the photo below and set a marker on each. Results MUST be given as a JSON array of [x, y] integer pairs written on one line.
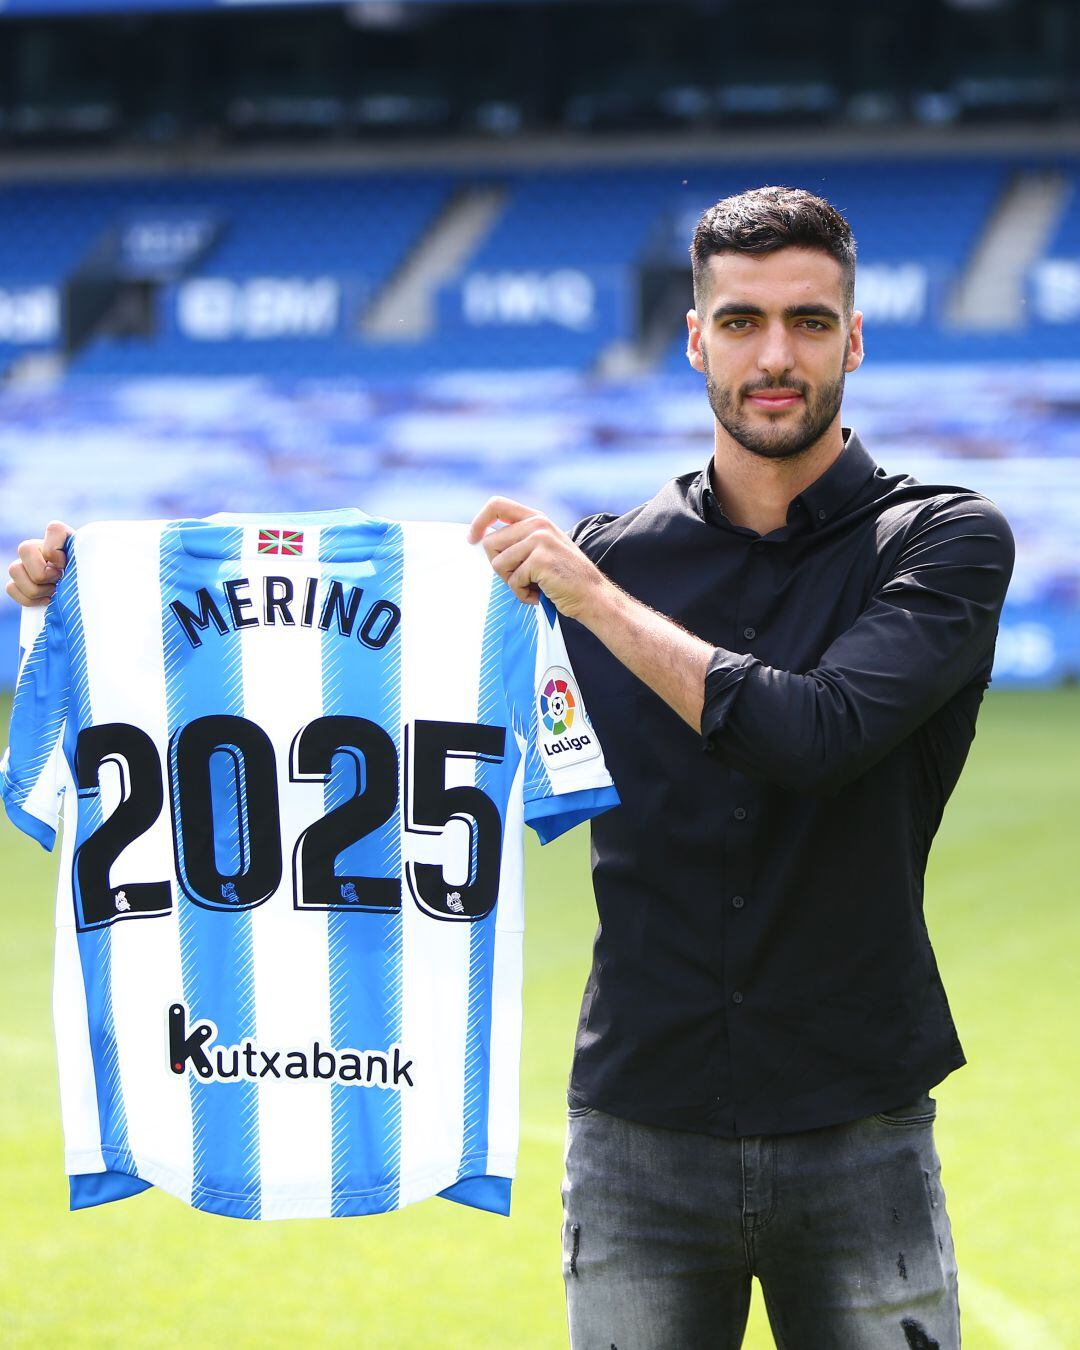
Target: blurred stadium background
[[403, 254]]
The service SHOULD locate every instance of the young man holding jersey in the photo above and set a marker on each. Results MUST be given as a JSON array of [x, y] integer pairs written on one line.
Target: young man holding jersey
[[784, 655]]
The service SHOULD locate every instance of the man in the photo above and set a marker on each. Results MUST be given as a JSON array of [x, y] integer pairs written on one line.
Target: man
[[784, 654]]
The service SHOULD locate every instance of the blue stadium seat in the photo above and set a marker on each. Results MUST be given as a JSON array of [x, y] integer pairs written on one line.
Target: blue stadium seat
[[594, 226]]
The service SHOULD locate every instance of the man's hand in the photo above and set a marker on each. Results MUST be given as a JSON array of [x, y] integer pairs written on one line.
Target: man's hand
[[532, 555], [39, 566]]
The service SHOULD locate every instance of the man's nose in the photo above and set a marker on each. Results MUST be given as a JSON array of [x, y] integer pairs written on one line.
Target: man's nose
[[776, 355]]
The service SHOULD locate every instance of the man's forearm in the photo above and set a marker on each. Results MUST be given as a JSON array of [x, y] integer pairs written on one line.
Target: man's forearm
[[671, 661], [534, 557]]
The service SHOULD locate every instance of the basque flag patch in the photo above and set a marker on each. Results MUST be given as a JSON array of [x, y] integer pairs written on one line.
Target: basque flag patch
[[281, 541]]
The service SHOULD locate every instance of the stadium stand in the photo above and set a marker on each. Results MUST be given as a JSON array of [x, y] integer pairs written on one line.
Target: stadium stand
[[916, 224], [219, 358], [354, 229], [295, 261], [1066, 239], [1054, 290]]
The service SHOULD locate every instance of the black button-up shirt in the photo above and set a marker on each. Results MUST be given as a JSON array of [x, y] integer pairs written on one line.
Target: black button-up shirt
[[762, 964]]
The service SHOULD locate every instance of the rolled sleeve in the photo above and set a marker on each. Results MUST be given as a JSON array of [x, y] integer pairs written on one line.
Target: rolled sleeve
[[724, 679], [928, 630]]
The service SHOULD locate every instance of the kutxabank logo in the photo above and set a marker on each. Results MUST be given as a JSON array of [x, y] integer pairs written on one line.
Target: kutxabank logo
[[560, 709], [249, 1061]]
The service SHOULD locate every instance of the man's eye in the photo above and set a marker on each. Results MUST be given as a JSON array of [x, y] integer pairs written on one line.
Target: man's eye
[[737, 324], [815, 325]]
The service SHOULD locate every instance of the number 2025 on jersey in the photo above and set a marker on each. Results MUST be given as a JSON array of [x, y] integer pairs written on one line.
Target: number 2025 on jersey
[[296, 757]]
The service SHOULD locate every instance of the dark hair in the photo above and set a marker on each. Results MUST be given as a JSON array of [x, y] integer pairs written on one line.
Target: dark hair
[[766, 219]]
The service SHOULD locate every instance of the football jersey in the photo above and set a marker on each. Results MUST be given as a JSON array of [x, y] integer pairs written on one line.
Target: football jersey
[[296, 757]]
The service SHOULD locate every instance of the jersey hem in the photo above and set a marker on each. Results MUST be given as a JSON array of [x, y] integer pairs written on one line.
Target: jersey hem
[[266, 1205], [29, 824], [552, 816]]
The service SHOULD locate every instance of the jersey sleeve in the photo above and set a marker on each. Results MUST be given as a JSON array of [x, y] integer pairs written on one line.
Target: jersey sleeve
[[566, 779], [31, 773]]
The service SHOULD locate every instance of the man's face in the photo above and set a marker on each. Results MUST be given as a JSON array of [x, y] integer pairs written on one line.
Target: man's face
[[774, 342]]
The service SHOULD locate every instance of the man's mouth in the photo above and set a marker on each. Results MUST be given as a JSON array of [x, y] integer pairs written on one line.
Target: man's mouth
[[773, 400]]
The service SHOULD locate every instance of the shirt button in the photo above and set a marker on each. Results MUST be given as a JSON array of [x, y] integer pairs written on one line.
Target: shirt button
[[737, 901], [736, 997], [759, 547], [821, 515], [739, 813], [749, 633]]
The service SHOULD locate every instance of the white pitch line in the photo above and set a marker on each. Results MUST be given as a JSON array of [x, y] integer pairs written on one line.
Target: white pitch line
[[1009, 1323]]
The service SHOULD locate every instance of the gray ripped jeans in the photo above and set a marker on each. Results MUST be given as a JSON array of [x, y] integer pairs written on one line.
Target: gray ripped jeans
[[845, 1227]]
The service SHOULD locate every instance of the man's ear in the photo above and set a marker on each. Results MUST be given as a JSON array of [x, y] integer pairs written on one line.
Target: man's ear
[[856, 350], [693, 341]]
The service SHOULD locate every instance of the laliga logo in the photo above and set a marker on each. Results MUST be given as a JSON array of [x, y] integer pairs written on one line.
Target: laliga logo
[[557, 706], [557, 702]]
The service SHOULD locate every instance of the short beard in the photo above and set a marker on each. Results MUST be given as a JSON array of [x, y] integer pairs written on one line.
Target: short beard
[[777, 442]]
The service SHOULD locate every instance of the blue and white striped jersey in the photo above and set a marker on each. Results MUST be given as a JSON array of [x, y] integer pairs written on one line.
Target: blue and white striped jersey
[[296, 758]]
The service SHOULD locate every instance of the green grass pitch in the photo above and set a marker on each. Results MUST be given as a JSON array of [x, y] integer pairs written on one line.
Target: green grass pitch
[[1002, 910]]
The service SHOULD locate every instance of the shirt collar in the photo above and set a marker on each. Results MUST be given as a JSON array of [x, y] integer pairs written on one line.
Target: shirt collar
[[703, 500], [817, 505]]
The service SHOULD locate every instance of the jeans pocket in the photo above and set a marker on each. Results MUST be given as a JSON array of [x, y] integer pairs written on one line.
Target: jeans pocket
[[921, 1111], [576, 1112]]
